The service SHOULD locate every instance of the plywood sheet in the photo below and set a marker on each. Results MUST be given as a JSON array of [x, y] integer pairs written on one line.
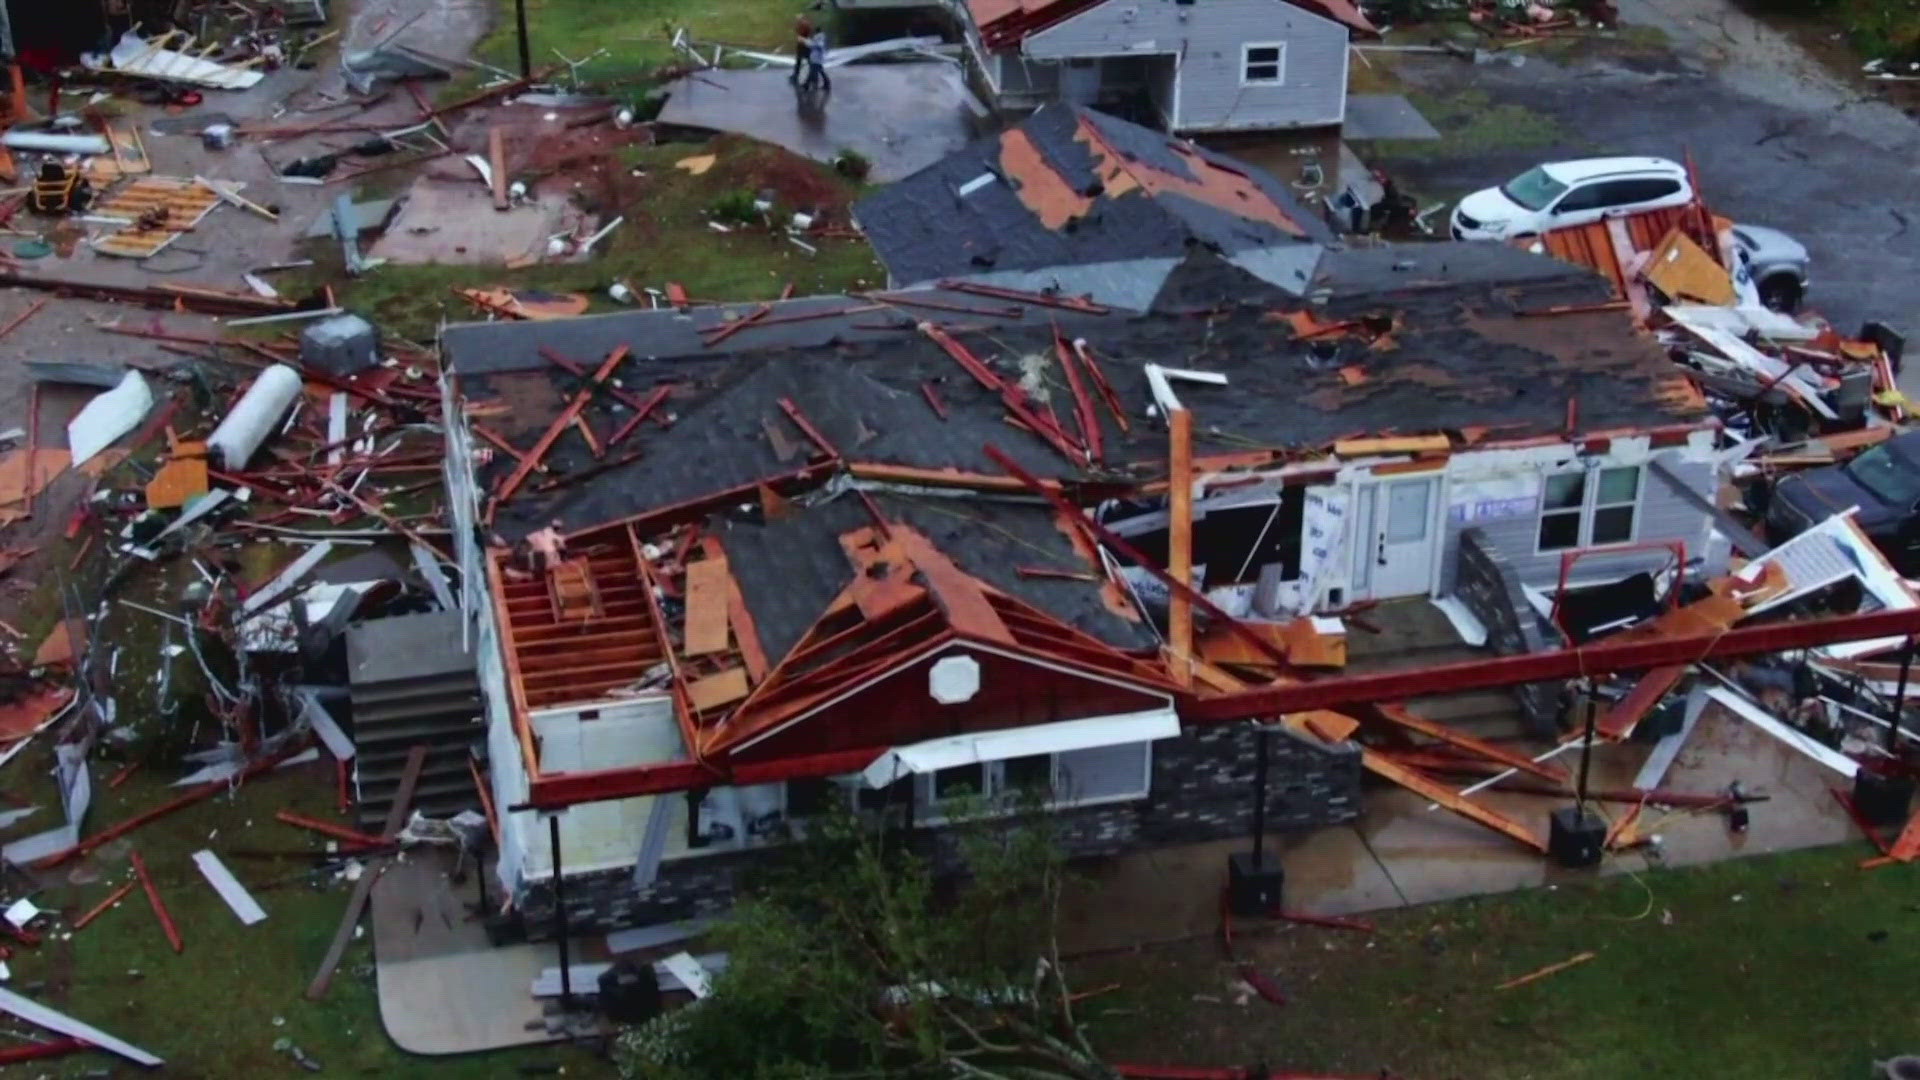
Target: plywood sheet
[[183, 477], [16, 486], [1683, 270], [709, 585], [718, 691]]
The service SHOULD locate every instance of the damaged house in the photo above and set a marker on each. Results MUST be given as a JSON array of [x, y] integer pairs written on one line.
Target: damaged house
[[1075, 200], [831, 550], [1217, 66]]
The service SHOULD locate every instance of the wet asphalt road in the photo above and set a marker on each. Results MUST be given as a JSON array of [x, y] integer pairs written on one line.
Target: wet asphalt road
[[1844, 186]]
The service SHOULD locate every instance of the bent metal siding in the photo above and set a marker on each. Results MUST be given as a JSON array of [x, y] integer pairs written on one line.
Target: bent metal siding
[[1207, 40]]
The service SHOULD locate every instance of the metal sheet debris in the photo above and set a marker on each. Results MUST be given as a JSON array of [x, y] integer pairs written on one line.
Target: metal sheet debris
[[242, 902], [137, 56], [108, 416], [34, 1013]]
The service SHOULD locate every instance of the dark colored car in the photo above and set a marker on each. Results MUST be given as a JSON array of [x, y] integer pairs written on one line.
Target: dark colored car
[[1883, 481]]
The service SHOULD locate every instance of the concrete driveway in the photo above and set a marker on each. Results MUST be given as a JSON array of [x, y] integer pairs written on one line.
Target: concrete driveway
[[1777, 139]]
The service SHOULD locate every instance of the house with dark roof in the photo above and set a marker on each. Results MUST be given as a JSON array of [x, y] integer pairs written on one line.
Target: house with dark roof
[[1194, 67], [1069, 188], [876, 551]]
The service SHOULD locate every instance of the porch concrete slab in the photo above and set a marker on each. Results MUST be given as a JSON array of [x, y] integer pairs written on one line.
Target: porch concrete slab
[[449, 222], [901, 117], [443, 988], [1399, 853]]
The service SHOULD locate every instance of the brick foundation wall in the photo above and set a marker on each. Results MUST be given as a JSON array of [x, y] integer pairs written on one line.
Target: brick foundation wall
[[1202, 790], [1486, 583]]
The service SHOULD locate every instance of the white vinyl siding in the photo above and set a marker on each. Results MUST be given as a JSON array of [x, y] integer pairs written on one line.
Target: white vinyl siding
[[1207, 41], [1660, 514]]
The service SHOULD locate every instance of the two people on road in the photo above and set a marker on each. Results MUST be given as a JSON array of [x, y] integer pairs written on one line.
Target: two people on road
[[809, 57]]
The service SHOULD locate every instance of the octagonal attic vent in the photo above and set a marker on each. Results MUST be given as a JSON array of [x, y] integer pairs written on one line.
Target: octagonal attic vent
[[954, 679]]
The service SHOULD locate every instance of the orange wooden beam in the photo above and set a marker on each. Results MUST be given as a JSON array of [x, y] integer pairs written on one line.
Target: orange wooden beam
[[560, 424], [1180, 542], [1421, 784]]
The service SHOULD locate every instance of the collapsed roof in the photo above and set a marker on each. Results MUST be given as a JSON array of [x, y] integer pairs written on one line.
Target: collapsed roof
[[1437, 338], [1070, 186]]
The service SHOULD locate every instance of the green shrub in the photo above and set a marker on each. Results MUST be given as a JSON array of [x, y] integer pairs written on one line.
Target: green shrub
[[736, 208]]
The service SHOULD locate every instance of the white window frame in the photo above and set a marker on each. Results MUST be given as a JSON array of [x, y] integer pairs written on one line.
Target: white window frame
[[1589, 508], [928, 811], [1279, 63]]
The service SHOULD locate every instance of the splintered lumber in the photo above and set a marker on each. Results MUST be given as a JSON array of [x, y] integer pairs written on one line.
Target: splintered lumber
[[1627, 713], [1400, 715], [1180, 542], [204, 791], [328, 828], [707, 591], [363, 889], [1550, 969], [159, 905], [1332, 922], [40, 1051], [497, 167], [102, 907], [1072, 513], [560, 424], [1016, 400], [1420, 784]]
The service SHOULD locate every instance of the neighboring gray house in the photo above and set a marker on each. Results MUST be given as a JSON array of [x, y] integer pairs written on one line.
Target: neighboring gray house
[[1197, 67]]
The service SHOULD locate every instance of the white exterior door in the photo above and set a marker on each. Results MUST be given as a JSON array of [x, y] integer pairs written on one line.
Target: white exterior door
[[1394, 553]]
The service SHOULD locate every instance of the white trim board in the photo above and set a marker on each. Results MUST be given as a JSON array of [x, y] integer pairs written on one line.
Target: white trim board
[[1765, 721]]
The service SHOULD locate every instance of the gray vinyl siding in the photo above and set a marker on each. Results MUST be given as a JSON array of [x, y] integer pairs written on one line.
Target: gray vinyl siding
[[1207, 38], [1662, 515]]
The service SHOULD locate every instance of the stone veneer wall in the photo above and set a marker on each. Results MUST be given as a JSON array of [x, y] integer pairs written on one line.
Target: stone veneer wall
[[1202, 790], [1486, 583]]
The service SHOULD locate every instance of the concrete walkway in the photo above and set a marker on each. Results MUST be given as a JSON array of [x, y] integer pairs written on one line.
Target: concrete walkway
[[443, 988], [1399, 854], [901, 117]]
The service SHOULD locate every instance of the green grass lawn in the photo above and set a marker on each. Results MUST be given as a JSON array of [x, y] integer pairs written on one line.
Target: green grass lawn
[[216, 1009], [637, 34], [1792, 967], [665, 238]]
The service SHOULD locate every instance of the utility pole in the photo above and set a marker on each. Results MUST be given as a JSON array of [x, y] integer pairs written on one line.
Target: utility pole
[[526, 54]]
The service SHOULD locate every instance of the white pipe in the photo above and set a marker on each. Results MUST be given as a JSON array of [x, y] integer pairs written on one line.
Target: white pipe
[[47, 142], [255, 416]]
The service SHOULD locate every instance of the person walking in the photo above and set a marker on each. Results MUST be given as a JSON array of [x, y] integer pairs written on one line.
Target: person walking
[[802, 47], [817, 63]]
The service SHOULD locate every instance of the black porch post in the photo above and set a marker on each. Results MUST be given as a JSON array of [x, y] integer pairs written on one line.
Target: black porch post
[[560, 914], [1586, 752], [1259, 792], [526, 54]]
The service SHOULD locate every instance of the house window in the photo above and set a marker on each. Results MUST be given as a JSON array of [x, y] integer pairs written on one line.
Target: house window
[[1071, 778], [1615, 498], [1263, 64], [1584, 509], [1561, 506]]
